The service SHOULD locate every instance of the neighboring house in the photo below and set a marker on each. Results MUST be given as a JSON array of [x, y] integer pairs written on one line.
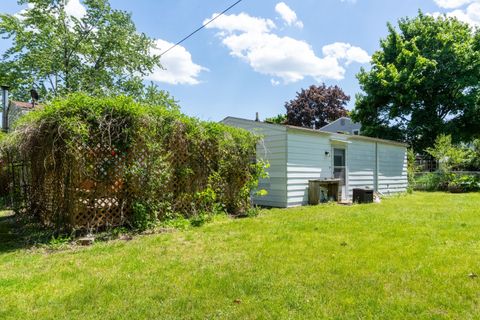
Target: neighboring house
[[15, 110], [297, 155], [343, 125]]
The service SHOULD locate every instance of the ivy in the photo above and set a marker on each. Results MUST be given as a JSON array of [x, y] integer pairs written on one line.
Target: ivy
[[164, 163]]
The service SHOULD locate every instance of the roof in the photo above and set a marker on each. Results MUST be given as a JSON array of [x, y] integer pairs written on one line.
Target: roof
[[353, 125], [24, 105], [352, 137]]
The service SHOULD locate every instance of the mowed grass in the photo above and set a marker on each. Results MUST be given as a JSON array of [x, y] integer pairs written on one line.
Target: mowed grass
[[410, 257]]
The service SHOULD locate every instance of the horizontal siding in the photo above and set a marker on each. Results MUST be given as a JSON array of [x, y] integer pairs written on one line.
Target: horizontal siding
[[392, 173], [306, 161], [361, 166], [272, 148]]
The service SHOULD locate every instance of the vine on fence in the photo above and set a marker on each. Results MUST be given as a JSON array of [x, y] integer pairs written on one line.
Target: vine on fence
[[95, 162]]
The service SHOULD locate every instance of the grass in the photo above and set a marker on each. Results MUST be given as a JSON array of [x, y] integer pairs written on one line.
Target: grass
[[411, 257]]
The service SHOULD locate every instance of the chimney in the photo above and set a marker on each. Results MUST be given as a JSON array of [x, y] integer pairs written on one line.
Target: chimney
[[256, 117], [4, 108]]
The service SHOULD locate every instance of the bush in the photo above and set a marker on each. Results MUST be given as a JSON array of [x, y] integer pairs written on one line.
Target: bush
[[464, 183], [438, 181], [97, 162], [432, 181]]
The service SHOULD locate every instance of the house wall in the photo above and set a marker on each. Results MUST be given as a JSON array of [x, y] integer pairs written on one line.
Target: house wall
[[273, 150], [392, 171], [14, 113], [297, 156], [361, 165], [306, 160], [390, 161]]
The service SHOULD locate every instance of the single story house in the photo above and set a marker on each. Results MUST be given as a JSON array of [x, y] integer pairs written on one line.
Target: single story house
[[297, 155]]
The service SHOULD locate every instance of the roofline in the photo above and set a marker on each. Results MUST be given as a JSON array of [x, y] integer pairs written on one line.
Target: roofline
[[329, 124], [281, 126], [349, 136]]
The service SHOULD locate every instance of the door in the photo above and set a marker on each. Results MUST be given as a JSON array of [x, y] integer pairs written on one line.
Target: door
[[339, 170]]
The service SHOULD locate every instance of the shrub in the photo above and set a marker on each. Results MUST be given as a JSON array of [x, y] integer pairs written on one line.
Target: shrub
[[449, 156], [411, 170], [464, 183], [438, 181], [98, 162]]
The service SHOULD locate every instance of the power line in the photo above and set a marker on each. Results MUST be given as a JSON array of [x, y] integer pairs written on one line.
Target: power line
[[200, 28]]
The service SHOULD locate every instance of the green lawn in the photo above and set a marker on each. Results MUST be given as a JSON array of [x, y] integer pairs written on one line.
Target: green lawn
[[407, 258]]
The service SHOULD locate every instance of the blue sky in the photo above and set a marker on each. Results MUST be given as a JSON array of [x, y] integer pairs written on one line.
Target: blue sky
[[262, 52]]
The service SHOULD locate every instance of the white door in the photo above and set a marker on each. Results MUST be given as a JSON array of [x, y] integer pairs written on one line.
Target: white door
[[340, 170]]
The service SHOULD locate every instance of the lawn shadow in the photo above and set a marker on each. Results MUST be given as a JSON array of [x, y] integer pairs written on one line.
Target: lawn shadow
[[16, 234]]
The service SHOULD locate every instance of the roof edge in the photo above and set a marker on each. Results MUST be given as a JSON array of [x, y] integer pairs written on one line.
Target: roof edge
[[348, 136]]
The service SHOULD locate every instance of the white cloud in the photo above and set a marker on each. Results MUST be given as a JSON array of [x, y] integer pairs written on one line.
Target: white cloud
[[75, 9], [178, 67], [347, 52], [288, 15], [281, 57], [241, 22], [452, 4], [469, 14]]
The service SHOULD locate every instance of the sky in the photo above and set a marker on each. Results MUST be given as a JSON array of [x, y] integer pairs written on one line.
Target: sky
[[259, 54]]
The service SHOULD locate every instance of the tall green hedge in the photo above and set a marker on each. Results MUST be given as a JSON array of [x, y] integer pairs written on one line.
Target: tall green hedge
[[158, 162]]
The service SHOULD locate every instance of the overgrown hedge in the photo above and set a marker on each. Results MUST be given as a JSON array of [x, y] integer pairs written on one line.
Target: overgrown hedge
[[150, 162]]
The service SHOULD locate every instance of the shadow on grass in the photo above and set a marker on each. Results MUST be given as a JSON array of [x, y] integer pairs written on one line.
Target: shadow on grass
[[18, 234]]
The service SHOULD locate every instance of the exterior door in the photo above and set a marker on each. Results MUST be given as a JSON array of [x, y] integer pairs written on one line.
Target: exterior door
[[339, 170]]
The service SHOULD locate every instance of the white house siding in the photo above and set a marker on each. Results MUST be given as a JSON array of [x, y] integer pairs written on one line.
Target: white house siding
[[272, 149], [392, 171], [306, 161], [361, 165]]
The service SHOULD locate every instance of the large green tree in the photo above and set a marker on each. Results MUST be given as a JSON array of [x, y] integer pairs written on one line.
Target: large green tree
[[58, 52], [424, 81]]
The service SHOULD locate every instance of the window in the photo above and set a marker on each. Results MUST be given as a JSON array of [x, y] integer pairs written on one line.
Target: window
[[342, 122], [356, 132]]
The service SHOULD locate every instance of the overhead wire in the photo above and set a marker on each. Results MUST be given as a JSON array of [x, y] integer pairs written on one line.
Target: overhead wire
[[203, 26]]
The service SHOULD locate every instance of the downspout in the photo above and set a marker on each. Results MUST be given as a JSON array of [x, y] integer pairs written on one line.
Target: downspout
[[5, 108], [375, 177]]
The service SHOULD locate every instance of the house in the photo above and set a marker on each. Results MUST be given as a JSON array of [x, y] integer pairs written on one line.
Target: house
[[12, 110], [297, 155], [343, 125], [16, 110]]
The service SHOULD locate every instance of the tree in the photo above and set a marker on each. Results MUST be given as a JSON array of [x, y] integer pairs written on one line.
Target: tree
[[317, 106], [447, 154], [424, 81], [99, 52], [278, 119]]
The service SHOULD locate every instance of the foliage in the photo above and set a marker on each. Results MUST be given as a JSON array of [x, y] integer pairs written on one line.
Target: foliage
[[316, 106], [58, 53], [447, 181], [411, 169], [156, 162], [142, 217], [464, 183], [473, 151], [423, 82], [406, 258], [278, 119], [449, 156], [433, 181]]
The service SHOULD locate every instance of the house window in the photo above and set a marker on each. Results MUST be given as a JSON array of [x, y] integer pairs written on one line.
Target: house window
[[342, 122], [356, 132]]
